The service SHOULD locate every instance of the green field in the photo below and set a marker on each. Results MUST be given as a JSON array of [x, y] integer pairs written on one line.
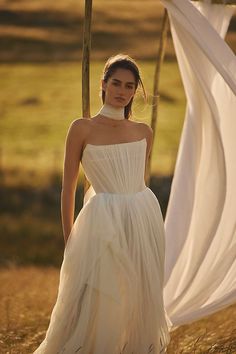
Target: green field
[[39, 102]]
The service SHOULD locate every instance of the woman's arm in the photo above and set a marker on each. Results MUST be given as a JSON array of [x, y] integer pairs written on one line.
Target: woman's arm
[[148, 132], [73, 152], [149, 137]]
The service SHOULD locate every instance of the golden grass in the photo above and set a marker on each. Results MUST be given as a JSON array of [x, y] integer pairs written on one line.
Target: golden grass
[[27, 296]]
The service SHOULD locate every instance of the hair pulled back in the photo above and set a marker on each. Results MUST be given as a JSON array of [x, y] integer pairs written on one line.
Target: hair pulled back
[[123, 61]]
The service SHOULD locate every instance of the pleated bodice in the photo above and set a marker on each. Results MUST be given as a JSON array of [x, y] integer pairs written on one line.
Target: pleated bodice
[[116, 168]]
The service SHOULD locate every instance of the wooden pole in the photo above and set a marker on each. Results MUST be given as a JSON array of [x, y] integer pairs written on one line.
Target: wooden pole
[[88, 5], [86, 59], [155, 100]]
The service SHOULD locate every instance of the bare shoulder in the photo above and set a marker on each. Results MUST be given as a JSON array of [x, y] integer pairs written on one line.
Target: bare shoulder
[[76, 136], [144, 129], [80, 128], [81, 124]]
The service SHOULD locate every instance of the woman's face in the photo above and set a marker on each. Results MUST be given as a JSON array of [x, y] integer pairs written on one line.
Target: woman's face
[[120, 88]]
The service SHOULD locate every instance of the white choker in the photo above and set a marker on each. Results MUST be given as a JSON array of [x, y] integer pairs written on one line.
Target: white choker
[[112, 112]]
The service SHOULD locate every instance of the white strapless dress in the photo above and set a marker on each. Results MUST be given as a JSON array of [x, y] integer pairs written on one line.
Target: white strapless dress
[[110, 297]]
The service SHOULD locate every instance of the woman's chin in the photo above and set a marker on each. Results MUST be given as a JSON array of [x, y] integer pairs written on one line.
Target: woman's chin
[[118, 104]]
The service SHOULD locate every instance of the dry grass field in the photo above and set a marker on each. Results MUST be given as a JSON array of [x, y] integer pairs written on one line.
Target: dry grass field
[[27, 297]]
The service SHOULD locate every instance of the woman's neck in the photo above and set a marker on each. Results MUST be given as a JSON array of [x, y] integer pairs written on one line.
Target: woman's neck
[[117, 113]]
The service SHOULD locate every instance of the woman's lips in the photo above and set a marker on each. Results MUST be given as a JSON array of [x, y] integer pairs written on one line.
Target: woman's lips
[[120, 99]]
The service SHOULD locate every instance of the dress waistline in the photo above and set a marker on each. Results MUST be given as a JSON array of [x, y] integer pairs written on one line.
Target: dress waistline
[[124, 193]]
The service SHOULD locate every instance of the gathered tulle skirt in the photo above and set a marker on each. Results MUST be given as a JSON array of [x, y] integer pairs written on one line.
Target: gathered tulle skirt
[[110, 296]]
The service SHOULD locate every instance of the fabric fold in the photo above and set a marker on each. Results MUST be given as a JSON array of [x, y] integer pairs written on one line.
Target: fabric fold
[[200, 224]]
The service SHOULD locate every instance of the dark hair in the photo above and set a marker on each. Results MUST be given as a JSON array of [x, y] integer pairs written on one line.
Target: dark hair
[[122, 61]]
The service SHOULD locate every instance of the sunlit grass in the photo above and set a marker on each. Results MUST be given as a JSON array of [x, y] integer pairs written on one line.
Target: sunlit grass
[[39, 102], [28, 296]]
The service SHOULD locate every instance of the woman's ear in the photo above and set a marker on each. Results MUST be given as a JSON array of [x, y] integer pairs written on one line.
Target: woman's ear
[[104, 85]]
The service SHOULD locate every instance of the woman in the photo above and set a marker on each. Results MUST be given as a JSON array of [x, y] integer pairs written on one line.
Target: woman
[[110, 297]]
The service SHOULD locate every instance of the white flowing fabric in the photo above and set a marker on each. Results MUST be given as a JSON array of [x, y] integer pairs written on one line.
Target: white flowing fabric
[[201, 217]]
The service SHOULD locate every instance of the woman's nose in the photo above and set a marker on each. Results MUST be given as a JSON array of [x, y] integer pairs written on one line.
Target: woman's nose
[[121, 91]]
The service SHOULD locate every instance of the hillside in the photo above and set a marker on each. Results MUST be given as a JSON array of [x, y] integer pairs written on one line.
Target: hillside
[[42, 31]]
